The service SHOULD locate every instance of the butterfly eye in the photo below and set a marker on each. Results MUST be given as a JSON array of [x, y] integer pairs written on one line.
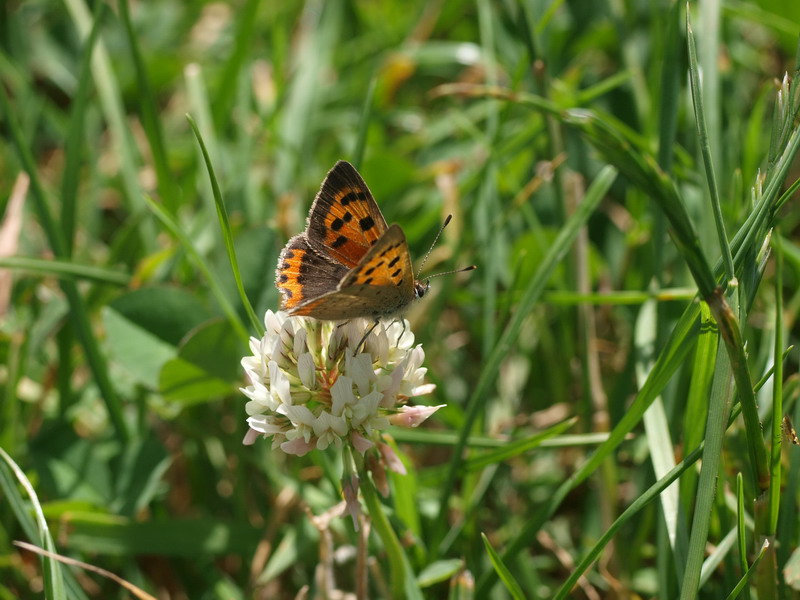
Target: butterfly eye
[[420, 289]]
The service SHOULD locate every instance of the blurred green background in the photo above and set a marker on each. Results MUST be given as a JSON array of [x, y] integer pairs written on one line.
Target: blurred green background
[[119, 356]]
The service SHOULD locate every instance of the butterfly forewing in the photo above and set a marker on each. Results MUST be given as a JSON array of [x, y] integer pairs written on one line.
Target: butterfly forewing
[[344, 222]]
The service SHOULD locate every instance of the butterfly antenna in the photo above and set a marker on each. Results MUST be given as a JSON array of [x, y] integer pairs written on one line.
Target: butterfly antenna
[[436, 239], [469, 268]]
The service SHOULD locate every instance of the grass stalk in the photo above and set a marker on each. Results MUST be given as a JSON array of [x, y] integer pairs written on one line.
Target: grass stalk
[[227, 234], [705, 151], [512, 331]]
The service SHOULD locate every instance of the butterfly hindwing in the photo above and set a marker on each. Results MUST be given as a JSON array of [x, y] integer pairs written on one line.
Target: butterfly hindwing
[[303, 273], [344, 222], [382, 284]]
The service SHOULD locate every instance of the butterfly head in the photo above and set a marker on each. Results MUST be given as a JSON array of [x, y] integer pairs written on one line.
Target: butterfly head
[[421, 288]]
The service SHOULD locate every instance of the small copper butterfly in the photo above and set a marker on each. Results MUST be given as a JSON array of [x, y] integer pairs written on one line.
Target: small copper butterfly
[[347, 263]]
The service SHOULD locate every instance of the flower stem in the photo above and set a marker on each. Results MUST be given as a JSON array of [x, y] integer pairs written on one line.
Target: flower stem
[[399, 568]]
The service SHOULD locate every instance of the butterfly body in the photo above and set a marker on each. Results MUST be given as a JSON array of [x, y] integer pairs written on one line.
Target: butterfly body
[[347, 263]]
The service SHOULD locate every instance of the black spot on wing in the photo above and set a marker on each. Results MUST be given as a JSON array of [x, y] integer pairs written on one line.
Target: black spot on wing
[[366, 223], [339, 242]]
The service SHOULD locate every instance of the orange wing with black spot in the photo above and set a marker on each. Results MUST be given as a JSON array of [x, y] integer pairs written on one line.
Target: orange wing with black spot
[[304, 274], [344, 221], [381, 285]]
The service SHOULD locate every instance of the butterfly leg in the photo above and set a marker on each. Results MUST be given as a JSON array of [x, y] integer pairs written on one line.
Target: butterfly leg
[[360, 346], [403, 321]]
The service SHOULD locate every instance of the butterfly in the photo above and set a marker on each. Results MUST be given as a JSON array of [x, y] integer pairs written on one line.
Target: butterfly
[[347, 263]]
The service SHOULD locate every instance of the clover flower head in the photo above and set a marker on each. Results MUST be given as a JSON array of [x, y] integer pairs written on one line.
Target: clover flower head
[[315, 384]]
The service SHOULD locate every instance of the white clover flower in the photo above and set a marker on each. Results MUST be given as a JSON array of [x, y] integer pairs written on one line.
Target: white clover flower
[[313, 384]]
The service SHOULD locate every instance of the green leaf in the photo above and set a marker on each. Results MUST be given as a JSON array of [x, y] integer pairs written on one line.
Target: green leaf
[[207, 365], [438, 571], [144, 328]]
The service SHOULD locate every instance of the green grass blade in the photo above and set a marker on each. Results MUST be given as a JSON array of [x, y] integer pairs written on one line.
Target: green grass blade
[[110, 98], [227, 234], [403, 583], [636, 506], [512, 331], [659, 440], [74, 143], [363, 124], [741, 529], [65, 269], [675, 351], [718, 410], [517, 447], [54, 588], [746, 577], [169, 222], [696, 411], [150, 115], [705, 151], [777, 396], [243, 38], [512, 585]]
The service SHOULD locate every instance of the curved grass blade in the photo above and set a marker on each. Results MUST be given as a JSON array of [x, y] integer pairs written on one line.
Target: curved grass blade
[[512, 331], [502, 570], [65, 269], [675, 351], [54, 588], [216, 288], [705, 151], [643, 500], [227, 235], [746, 577]]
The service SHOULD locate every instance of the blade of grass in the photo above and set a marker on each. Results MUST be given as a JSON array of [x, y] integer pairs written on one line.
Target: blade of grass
[[696, 411], [502, 571], [659, 440], [718, 410], [243, 38], [449, 438], [53, 576], [198, 102], [512, 331], [652, 493], [403, 583], [75, 135], [150, 114], [363, 125], [65, 269], [110, 97], [227, 235], [78, 309], [216, 289], [777, 396], [746, 577], [741, 530], [705, 151], [516, 448], [675, 351], [621, 297]]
